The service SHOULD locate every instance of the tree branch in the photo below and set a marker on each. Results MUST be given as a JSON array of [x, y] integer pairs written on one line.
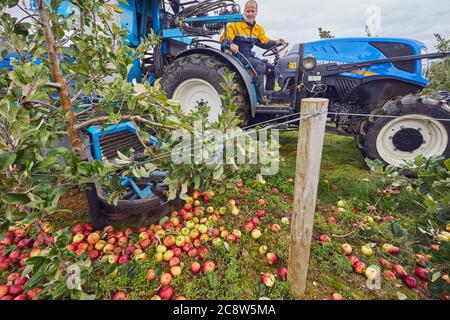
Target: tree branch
[[63, 92], [126, 118]]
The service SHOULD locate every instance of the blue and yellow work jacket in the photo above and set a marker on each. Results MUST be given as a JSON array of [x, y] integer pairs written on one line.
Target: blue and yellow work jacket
[[245, 36]]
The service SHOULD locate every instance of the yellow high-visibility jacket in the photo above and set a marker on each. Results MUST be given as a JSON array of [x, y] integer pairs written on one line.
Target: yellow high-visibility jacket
[[246, 36]]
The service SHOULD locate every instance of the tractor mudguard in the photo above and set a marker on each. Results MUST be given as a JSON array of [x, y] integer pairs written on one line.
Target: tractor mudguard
[[234, 63]]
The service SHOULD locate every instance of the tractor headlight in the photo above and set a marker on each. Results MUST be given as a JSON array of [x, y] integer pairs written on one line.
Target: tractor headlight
[[309, 62], [425, 70]]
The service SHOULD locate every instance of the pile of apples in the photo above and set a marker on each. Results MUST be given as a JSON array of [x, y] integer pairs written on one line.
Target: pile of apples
[[189, 232], [16, 247]]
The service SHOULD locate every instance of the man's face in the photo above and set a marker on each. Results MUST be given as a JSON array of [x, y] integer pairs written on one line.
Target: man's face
[[250, 12]]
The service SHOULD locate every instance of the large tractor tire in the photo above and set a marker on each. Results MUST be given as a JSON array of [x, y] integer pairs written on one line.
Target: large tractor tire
[[197, 79], [417, 127]]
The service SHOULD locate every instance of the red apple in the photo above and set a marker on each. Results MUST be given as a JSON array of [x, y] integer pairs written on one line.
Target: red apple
[[261, 202], [359, 267], [389, 275], [79, 228], [195, 267], [34, 293], [122, 241], [192, 252], [249, 226], [410, 281], [394, 250], [385, 263], [268, 279], [166, 292], [400, 271], [119, 296], [3, 290], [174, 261], [202, 252], [144, 244], [93, 254], [93, 238], [276, 228], [123, 260], [260, 213], [421, 273], [12, 277], [271, 258], [15, 290], [175, 271], [78, 238], [324, 238], [208, 266], [166, 279], [151, 275], [353, 259], [336, 296], [282, 273]]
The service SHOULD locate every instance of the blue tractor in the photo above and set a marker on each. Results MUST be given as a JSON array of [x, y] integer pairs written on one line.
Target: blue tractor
[[360, 76]]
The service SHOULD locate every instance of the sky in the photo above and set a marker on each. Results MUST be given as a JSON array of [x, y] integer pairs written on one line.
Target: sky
[[297, 21]]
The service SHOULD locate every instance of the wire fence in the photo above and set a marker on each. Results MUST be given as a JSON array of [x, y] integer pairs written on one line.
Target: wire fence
[[269, 125]]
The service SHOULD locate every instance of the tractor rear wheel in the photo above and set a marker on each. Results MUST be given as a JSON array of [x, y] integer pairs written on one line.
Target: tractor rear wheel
[[417, 127], [196, 79]]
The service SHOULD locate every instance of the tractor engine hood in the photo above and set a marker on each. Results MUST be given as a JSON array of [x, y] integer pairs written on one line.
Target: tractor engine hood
[[349, 50]]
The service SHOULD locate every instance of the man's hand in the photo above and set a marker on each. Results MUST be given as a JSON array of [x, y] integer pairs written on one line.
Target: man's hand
[[234, 48], [281, 42]]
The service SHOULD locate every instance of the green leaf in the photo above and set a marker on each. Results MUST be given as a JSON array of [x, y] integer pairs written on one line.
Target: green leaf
[[15, 198], [447, 164], [7, 159]]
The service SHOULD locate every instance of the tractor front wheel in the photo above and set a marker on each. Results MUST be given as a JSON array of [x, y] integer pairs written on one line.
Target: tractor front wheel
[[415, 126], [196, 79]]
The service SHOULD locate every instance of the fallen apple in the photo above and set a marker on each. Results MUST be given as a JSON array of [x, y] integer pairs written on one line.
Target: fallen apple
[[389, 275], [367, 251], [399, 271], [195, 267], [151, 275], [263, 249], [166, 292], [256, 234], [410, 281], [359, 267], [283, 273], [268, 279], [208, 266], [271, 258], [346, 249], [336, 296], [421, 273], [119, 296], [166, 279]]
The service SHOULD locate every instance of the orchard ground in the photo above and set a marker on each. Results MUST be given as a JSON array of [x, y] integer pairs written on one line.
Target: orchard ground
[[365, 218], [344, 176]]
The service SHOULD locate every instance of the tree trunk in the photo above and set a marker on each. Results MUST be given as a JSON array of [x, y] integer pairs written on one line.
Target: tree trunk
[[63, 92]]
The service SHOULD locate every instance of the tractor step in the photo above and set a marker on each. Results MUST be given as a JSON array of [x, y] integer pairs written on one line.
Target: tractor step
[[274, 108]]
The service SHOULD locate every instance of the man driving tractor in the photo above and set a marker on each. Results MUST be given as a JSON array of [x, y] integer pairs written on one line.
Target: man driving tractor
[[242, 36]]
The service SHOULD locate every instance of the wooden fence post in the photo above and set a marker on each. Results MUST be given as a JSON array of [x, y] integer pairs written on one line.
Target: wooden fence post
[[309, 154]]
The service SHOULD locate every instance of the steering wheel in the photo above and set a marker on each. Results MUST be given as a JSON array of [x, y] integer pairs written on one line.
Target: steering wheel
[[275, 50]]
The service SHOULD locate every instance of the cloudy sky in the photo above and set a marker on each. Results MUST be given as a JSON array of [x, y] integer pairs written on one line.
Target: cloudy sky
[[298, 20]]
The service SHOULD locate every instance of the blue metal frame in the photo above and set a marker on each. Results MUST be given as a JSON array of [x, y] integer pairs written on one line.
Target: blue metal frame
[[97, 132]]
